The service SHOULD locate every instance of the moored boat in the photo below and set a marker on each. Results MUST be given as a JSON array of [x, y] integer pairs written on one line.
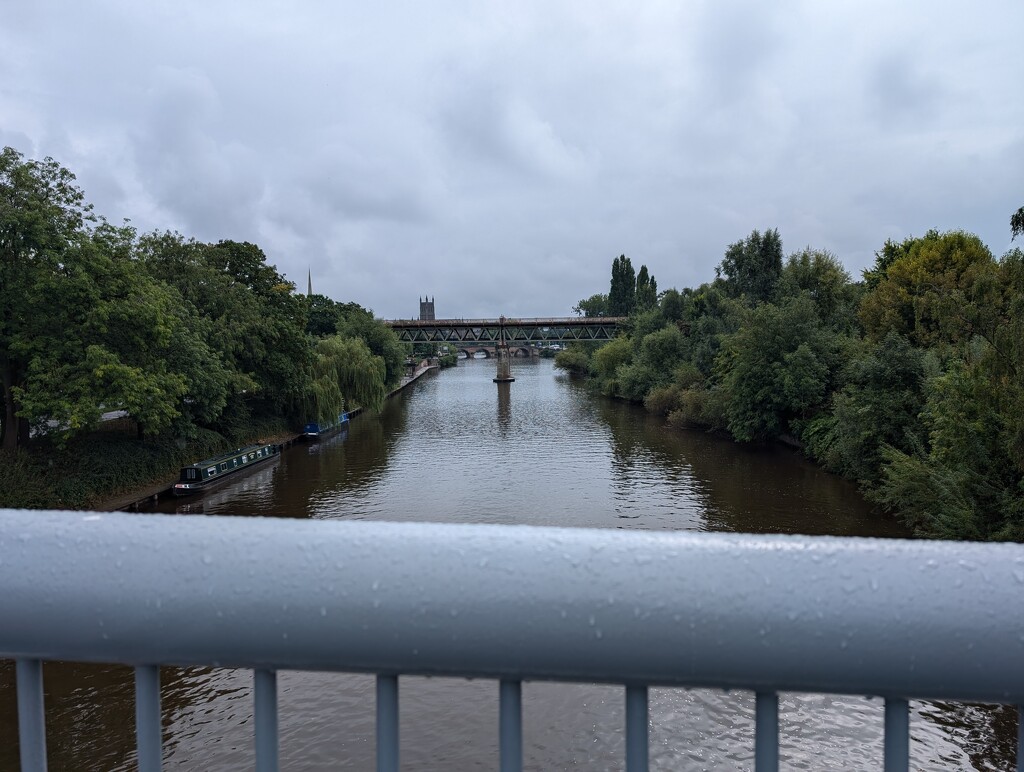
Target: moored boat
[[208, 472], [316, 429]]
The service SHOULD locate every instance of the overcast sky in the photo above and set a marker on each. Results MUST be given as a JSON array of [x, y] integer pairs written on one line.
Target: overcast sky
[[499, 156]]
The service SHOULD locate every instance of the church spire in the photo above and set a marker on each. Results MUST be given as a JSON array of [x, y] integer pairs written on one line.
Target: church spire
[[309, 286]]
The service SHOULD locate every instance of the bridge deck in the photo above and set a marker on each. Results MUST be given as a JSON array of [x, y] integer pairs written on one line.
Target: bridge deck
[[524, 330]]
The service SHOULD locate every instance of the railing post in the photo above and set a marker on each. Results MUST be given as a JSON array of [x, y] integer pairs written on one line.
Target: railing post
[[31, 715], [766, 732], [897, 735], [636, 729], [387, 723], [1020, 738], [147, 717], [265, 710], [510, 722]]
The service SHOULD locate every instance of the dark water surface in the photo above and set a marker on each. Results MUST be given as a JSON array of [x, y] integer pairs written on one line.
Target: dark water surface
[[542, 451]]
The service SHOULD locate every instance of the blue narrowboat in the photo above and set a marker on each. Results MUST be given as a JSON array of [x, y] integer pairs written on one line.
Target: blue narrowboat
[[208, 472], [314, 430]]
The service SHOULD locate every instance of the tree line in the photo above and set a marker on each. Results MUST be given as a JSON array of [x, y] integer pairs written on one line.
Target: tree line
[[910, 381], [183, 336]]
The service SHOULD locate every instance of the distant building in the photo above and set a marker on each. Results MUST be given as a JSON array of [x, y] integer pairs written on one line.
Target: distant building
[[426, 310]]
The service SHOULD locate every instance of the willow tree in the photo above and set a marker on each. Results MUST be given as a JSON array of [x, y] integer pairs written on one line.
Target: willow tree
[[345, 373]]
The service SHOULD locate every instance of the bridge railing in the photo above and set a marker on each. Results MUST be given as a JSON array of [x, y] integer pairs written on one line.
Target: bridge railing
[[896, 619], [559, 321]]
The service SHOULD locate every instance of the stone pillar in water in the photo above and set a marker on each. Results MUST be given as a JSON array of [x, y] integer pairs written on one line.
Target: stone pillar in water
[[504, 359]]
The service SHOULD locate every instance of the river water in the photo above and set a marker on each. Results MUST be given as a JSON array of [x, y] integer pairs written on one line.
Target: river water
[[455, 447]]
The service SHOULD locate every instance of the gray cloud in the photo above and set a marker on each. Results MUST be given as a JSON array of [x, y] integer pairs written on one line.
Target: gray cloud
[[499, 157]]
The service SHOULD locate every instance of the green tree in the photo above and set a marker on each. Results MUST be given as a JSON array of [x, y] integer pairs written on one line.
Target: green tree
[[779, 366], [1017, 223], [344, 372], [595, 305], [42, 212], [823, 278], [322, 316], [358, 322], [752, 267], [646, 290], [607, 360], [575, 359], [622, 294], [925, 285], [672, 305], [256, 322], [879, 407]]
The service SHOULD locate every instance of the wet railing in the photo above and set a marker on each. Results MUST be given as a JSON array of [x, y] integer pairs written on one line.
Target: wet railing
[[896, 619]]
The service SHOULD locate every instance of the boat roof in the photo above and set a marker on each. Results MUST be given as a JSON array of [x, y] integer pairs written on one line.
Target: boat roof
[[230, 454]]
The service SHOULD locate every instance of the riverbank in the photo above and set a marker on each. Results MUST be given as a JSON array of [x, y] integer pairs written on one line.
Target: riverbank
[[162, 488]]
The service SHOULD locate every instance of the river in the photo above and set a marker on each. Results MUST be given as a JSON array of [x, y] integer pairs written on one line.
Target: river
[[455, 447]]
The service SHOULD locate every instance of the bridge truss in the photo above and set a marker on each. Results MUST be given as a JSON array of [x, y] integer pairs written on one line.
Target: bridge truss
[[506, 330]]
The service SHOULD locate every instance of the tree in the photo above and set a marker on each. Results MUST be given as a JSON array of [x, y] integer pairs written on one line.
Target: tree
[[672, 305], [778, 366], [752, 267], [595, 305], [823, 278], [879, 407], [344, 372], [256, 323], [358, 322], [646, 290], [1017, 223], [925, 286], [42, 212], [622, 293], [322, 316]]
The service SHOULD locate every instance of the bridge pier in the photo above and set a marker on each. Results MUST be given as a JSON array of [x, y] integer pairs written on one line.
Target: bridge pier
[[504, 357]]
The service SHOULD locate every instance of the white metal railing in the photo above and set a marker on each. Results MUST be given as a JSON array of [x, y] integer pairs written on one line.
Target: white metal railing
[[897, 619]]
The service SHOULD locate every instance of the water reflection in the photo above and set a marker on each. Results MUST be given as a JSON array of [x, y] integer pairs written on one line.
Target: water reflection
[[459, 448], [504, 408]]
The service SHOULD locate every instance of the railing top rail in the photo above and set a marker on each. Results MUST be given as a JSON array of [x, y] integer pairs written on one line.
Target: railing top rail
[[569, 321], [789, 613]]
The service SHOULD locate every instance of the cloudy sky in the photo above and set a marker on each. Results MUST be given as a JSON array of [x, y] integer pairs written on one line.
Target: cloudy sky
[[499, 155]]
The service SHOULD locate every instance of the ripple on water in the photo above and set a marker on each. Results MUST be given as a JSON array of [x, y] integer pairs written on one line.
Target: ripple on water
[[456, 448]]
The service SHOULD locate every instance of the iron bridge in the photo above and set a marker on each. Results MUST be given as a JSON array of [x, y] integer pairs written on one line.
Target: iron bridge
[[507, 329]]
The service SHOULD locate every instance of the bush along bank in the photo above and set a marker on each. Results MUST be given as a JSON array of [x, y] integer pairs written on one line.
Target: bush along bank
[[910, 382], [89, 471]]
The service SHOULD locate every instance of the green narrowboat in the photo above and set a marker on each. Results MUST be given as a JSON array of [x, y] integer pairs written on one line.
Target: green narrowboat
[[208, 472]]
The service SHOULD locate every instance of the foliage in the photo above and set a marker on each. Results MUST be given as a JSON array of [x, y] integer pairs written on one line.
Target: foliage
[[1017, 223], [622, 294], [574, 359], [42, 212], [820, 274], [672, 305], [924, 284], [358, 323], [777, 367], [186, 337], [752, 267], [595, 305], [451, 359], [607, 360], [646, 290], [878, 407], [968, 480]]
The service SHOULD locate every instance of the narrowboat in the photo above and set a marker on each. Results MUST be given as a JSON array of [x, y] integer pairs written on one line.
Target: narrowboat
[[208, 472], [314, 430]]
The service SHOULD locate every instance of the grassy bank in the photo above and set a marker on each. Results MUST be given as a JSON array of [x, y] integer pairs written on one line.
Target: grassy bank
[[100, 466]]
